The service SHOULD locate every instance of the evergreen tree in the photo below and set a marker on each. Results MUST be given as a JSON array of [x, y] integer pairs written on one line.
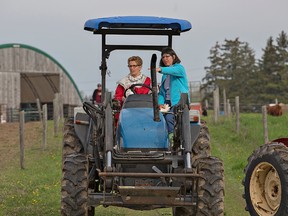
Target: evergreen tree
[[270, 67], [213, 72], [282, 53], [232, 67]]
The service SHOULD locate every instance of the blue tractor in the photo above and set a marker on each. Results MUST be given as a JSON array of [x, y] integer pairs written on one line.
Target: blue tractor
[[131, 164]]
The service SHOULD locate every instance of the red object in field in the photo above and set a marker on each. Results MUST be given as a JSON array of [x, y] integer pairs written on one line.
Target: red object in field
[[274, 109]]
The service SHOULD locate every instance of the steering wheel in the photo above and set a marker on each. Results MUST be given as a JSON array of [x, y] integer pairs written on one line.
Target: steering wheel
[[133, 86]]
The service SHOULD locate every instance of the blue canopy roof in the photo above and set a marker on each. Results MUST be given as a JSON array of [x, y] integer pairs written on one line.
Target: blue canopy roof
[[133, 22]]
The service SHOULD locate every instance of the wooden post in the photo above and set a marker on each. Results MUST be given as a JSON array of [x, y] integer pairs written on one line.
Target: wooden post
[[56, 115], [218, 101], [44, 135], [215, 108], [237, 114], [224, 103], [21, 132], [39, 108], [228, 108], [206, 104], [265, 127], [61, 111]]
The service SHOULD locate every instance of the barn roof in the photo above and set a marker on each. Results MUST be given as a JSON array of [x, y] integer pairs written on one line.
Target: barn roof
[[36, 80]]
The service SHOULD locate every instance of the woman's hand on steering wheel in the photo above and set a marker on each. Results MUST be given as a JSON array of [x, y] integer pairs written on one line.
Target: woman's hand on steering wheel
[[131, 88]]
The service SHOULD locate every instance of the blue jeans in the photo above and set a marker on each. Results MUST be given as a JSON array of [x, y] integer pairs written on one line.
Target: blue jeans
[[169, 118]]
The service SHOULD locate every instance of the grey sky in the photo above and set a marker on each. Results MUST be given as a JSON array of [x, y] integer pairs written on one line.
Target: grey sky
[[56, 27]]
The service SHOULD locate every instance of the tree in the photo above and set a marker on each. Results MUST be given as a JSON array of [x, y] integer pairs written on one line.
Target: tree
[[213, 72], [232, 67], [282, 52], [273, 69]]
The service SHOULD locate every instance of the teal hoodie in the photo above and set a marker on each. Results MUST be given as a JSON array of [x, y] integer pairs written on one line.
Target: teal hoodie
[[178, 83]]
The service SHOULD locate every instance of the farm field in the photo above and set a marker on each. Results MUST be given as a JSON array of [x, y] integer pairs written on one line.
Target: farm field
[[35, 190]]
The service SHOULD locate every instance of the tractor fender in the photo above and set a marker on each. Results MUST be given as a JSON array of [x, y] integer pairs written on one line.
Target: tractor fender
[[283, 140], [194, 131], [82, 125]]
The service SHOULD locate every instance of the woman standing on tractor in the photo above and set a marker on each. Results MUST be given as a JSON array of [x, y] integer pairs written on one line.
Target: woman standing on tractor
[[174, 82]]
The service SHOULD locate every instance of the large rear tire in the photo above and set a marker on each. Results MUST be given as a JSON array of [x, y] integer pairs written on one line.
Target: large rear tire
[[210, 189], [201, 147], [266, 179]]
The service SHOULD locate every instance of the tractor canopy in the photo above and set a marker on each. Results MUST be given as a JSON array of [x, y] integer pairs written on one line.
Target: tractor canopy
[[146, 22], [133, 25]]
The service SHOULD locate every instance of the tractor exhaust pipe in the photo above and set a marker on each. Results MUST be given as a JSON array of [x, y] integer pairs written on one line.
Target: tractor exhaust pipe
[[154, 87]]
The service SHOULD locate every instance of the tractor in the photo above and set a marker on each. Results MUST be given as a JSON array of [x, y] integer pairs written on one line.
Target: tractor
[[266, 180], [131, 164]]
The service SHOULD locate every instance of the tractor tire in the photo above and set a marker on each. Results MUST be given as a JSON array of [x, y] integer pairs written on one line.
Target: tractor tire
[[201, 147], [266, 179], [71, 143], [210, 189], [74, 187]]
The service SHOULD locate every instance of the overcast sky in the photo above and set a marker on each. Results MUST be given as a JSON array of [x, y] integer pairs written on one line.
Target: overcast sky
[[56, 27]]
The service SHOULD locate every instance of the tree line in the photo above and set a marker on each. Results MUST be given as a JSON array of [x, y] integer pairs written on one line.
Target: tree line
[[233, 67]]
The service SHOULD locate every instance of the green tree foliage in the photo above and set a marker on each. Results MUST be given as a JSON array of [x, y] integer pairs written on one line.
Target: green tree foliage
[[282, 50], [268, 68], [273, 69], [234, 68]]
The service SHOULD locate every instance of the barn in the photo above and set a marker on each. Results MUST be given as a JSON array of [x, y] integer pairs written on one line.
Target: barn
[[29, 75]]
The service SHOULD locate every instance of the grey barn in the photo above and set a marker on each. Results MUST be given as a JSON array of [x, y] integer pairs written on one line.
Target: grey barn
[[28, 74]]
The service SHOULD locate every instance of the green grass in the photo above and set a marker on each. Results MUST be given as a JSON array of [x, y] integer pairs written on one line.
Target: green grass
[[36, 189], [234, 149]]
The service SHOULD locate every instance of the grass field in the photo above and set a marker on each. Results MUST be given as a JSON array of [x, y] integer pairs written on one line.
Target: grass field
[[35, 190]]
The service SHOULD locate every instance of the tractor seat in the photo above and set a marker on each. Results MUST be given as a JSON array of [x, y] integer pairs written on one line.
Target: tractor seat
[[138, 101]]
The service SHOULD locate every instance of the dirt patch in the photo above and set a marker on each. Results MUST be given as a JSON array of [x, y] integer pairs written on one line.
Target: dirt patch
[[10, 140]]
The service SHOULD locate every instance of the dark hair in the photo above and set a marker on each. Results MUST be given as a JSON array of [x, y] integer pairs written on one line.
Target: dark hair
[[169, 51], [98, 85]]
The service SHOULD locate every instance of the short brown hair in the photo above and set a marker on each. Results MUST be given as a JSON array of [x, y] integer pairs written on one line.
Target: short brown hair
[[137, 59]]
